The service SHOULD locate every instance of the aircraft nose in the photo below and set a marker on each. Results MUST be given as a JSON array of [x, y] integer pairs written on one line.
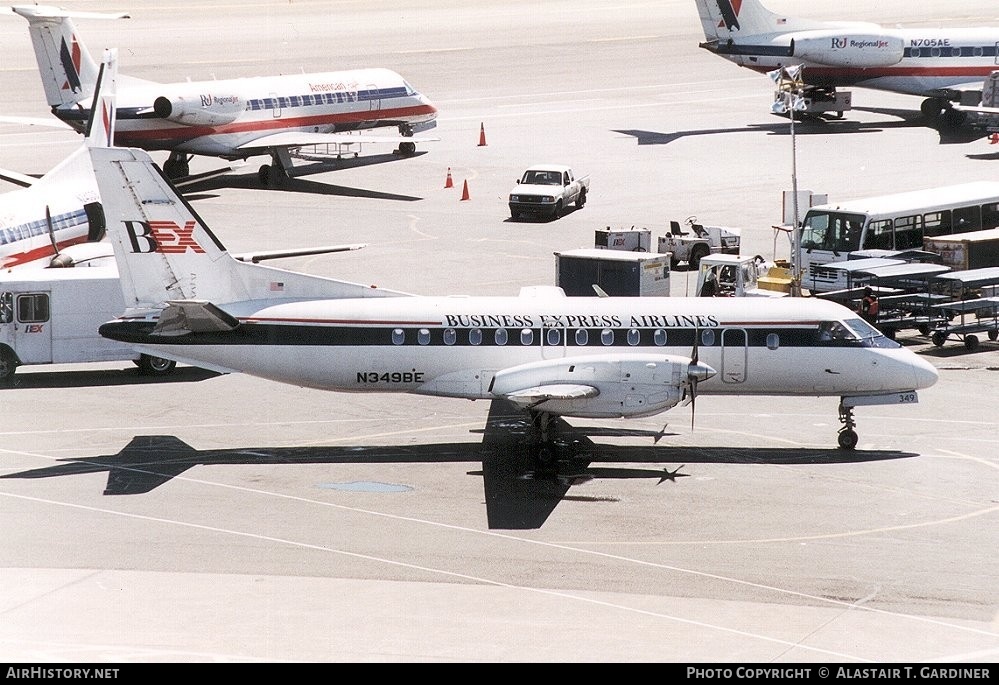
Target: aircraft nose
[[925, 373]]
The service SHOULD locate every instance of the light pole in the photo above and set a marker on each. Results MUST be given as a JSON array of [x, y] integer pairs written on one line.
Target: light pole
[[789, 83]]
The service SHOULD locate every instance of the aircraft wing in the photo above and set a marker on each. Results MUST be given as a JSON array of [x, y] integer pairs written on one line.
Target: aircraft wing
[[48, 122], [300, 138], [17, 178], [256, 257], [193, 316]]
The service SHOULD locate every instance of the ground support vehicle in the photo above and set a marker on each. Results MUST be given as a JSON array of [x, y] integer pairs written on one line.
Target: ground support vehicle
[[742, 276], [700, 241], [615, 272], [967, 314], [547, 191], [51, 316], [964, 251]]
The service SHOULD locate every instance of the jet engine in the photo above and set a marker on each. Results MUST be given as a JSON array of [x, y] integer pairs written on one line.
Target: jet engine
[[601, 386], [838, 49], [200, 110]]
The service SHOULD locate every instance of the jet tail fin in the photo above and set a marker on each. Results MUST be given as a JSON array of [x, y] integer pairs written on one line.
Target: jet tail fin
[[724, 20], [68, 72], [166, 253]]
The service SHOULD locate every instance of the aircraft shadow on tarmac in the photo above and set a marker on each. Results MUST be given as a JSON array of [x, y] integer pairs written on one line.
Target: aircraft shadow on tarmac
[[25, 380], [298, 184], [517, 495], [824, 126]]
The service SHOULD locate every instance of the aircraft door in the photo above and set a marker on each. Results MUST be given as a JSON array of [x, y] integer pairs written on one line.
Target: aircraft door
[[276, 109], [374, 101], [27, 327], [734, 354]]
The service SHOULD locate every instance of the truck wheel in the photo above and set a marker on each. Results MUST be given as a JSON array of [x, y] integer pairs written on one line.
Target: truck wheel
[[971, 342], [938, 339], [581, 200], [155, 366], [8, 365], [696, 253], [557, 212]]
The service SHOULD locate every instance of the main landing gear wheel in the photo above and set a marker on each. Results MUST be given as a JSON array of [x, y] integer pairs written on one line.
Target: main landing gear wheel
[[407, 149], [155, 366], [847, 435], [552, 452], [271, 175], [177, 165]]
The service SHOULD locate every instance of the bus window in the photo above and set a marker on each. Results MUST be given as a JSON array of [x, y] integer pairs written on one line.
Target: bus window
[[936, 223], [967, 219], [831, 231], [990, 215], [879, 235]]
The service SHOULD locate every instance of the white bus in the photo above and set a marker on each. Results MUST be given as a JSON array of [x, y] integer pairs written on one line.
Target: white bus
[[897, 222]]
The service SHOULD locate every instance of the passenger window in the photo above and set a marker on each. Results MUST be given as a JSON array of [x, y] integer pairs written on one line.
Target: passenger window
[[607, 336], [582, 337], [398, 336], [659, 337], [475, 336], [773, 341], [554, 336], [450, 336], [423, 336], [708, 337], [634, 336], [526, 336], [500, 336]]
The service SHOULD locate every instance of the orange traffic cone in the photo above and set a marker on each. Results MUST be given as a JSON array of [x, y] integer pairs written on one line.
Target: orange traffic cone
[[482, 135], [449, 183], [464, 191]]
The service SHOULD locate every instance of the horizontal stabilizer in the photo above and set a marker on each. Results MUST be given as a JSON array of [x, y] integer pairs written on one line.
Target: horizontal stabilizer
[[255, 257], [193, 316]]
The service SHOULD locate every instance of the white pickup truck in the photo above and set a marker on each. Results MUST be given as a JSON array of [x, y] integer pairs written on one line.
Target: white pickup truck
[[546, 190]]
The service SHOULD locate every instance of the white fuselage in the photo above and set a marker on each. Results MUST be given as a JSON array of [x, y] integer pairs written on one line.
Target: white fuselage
[[216, 118], [453, 346]]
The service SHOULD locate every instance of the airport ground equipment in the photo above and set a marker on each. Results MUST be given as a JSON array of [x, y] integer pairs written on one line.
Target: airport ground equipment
[[696, 241], [965, 251], [970, 310], [547, 191], [630, 239], [743, 276], [616, 273], [51, 316]]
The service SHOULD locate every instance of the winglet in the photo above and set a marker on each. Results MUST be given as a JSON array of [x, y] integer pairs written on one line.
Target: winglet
[[103, 113]]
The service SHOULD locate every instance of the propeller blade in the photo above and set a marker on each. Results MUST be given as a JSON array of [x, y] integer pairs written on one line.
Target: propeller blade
[[48, 223]]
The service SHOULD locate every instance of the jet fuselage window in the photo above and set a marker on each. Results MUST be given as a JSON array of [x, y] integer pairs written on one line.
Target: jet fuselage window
[[773, 341], [553, 336], [526, 336], [450, 336], [607, 336], [634, 336], [500, 336], [423, 336], [659, 337], [475, 336], [398, 336], [582, 337], [708, 337]]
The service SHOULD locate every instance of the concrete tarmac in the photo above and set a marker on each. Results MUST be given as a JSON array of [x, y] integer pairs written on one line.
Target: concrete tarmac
[[222, 518]]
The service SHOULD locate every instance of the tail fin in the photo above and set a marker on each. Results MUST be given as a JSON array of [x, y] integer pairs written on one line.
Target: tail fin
[[69, 73], [166, 253], [724, 20], [103, 110]]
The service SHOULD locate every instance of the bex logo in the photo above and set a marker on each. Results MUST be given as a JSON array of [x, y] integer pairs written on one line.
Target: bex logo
[[164, 237]]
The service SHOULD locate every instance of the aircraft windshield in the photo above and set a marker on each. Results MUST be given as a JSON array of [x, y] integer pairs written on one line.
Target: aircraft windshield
[[853, 331], [833, 231]]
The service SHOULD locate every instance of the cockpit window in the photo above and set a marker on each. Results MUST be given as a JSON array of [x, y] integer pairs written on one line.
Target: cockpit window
[[853, 331], [869, 335]]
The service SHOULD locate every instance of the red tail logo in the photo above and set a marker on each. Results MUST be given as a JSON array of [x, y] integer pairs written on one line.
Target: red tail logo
[[164, 237]]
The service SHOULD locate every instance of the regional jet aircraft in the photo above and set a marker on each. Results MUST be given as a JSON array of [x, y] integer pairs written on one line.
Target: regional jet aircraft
[[232, 119], [943, 65], [551, 355]]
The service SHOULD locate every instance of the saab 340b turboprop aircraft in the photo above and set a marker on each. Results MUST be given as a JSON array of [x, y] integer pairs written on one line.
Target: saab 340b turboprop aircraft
[[551, 355], [232, 119], [943, 65]]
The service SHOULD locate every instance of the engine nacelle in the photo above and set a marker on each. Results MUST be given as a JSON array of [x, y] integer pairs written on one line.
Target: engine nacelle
[[841, 49], [628, 385], [200, 110]]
